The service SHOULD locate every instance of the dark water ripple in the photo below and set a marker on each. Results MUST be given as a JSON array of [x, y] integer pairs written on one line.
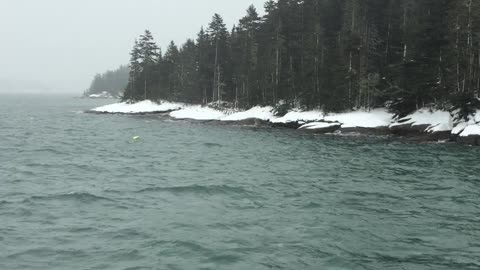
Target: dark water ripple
[[77, 193]]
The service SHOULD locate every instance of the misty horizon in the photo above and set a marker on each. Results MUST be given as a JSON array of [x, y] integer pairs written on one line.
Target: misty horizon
[[58, 46]]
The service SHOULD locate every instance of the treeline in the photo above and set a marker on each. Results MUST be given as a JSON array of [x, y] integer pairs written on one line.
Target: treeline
[[112, 82], [330, 54]]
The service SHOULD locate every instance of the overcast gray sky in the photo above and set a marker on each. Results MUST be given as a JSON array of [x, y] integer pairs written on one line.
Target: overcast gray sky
[[62, 44]]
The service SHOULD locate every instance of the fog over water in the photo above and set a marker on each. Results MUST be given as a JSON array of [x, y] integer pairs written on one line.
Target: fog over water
[[58, 45]]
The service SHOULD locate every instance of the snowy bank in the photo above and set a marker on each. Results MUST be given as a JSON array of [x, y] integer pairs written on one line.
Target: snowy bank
[[320, 127], [104, 94], [470, 128], [356, 119], [424, 124], [426, 120], [262, 113], [142, 107], [299, 117], [197, 112], [362, 119]]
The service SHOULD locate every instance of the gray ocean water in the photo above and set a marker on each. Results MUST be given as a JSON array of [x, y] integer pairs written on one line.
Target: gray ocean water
[[76, 192]]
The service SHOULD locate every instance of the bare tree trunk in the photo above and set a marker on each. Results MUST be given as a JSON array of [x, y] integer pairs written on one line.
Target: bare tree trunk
[[478, 73], [236, 96], [389, 29], [205, 98], [470, 46], [277, 71], [219, 85], [405, 46], [350, 83], [292, 80], [316, 83], [457, 49], [215, 74]]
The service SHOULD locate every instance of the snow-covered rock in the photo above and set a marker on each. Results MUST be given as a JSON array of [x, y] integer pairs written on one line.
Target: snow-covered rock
[[471, 130], [142, 107], [425, 120], [321, 127], [459, 128], [261, 113], [362, 119], [104, 94], [299, 116], [197, 112], [470, 135], [423, 123]]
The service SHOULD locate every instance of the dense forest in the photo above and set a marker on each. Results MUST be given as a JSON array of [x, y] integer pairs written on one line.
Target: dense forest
[[331, 54], [112, 82]]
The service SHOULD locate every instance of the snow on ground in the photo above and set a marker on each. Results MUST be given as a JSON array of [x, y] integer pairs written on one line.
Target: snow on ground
[[262, 113], [459, 128], [436, 120], [104, 94], [476, 117], [146, 106], [318, 125], [299, 116], [471, 130], [439, 127], [362, 119], [197, 112], [372, 119]]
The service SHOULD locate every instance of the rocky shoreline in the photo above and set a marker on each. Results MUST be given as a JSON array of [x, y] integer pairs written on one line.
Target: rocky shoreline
[[407, 131]]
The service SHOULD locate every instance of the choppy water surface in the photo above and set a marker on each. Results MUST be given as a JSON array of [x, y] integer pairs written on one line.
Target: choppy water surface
[[77, 193]]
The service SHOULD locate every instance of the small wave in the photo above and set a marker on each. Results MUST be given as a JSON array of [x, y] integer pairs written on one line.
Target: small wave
[[82, 230], [211, 145], [76, 196], [128, 234], [312, 205], [180, 245], [40, 165], [3, 202], [47, 252], [137, 268], [17, 212], [48, 150], [224, 259], [128, 255], [210, 190]]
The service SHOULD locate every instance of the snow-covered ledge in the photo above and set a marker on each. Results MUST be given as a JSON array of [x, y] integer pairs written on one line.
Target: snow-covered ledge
[[142, 107], [433, 124]]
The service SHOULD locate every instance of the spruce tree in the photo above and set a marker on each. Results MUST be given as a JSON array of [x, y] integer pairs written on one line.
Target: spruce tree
[[148, 55]]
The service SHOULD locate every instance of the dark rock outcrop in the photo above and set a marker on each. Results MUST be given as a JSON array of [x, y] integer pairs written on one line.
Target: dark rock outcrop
[[469, 140], [291, 125], [377, 131], [408, 129], [255, 122]]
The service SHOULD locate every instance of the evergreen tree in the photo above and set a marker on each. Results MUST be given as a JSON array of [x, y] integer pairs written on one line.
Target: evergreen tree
[[331, 54], [217, 34], [148, 55], [132, 91]]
